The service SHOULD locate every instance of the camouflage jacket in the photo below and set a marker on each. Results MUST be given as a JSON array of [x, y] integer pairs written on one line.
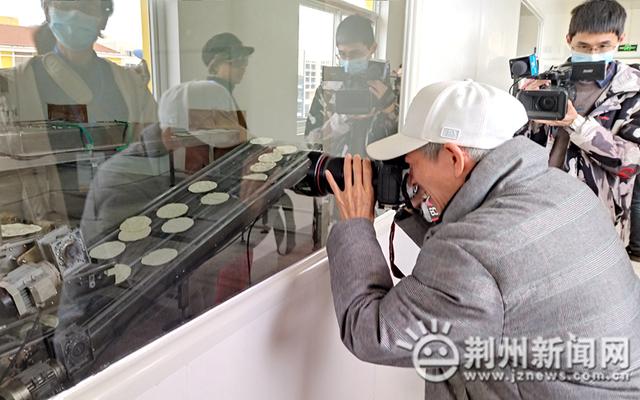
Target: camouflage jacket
[[604, 151], [338, 134]]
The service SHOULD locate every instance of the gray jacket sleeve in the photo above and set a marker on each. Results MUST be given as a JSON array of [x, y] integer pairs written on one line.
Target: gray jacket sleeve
[[447, 284]]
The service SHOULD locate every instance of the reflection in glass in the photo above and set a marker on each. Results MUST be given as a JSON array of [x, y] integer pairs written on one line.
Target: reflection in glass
[[85, 146]]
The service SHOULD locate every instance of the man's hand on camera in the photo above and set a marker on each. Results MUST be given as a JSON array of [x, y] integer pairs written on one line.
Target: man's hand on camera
[[384, 94], [378, 88], [534, 84], [357, 199], [568, 119]]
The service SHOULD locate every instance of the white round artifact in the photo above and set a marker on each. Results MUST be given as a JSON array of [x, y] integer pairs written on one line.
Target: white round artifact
[[159, 257], [177, 225], [203, 187], [270, 157], [286, 150], [135, 224], [256, 177], [262, 167], [261, 141], [172, 210], [13, 230], [122, 272], [107, 250], [214, 199], [126, 236]]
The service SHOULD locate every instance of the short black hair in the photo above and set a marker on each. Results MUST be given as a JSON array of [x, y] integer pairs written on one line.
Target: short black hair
[[598, 16], [355, 29]]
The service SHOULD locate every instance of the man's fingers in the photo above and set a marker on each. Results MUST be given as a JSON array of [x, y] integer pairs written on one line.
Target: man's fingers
[[357, 171], [535, 84], [348, 173], [367, 175], [333, 184], [344, 211]]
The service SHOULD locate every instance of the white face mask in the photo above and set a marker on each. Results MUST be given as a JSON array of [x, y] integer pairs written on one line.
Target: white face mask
[[593, 57], [74, 29]]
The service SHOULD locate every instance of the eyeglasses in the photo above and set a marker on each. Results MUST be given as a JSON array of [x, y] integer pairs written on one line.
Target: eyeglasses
[[602, 48]]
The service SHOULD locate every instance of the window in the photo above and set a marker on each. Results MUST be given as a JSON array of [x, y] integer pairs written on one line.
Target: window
[[366, 4], [123, 40], [315, 47]]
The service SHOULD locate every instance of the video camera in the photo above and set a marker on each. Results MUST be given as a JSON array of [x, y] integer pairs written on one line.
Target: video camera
[[354, 97], [551, 103]]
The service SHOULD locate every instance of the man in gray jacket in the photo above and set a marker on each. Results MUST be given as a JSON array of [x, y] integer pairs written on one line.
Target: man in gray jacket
[[523, 290]]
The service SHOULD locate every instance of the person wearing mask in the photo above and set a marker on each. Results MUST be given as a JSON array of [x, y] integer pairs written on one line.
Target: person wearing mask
[[71, 83], [338, 133], [597, 140]]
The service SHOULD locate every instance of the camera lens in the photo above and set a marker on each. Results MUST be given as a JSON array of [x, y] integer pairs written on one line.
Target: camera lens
[[315, 184], [547, 103], [387, 178]]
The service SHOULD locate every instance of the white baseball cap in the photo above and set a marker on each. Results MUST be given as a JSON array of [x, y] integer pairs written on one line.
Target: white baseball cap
[[467, 113]]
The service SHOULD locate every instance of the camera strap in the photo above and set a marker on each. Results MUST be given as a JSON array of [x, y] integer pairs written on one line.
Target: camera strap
[[392, 256], [403, 214]]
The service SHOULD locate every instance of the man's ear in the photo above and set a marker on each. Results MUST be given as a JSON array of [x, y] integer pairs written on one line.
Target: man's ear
[[622, 38], [458, 158], [569, 39]]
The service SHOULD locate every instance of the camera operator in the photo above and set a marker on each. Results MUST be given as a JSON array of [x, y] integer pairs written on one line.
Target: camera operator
[[597, 140], [522, 250], [341, 133]]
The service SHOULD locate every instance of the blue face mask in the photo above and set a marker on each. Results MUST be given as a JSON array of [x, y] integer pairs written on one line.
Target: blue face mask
[[594, 57], [74, 29], [355, 67]]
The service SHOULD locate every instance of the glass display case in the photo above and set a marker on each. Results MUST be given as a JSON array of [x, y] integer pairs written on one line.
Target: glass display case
[[79, 294], [154, 163]]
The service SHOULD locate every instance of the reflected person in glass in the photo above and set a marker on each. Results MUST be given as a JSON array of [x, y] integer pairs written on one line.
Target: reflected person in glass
[[207, 108], [71, 84], [333, 122]]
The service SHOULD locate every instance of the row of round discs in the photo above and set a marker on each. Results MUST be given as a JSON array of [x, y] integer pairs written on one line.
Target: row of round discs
[[139, 227], [268, 161]]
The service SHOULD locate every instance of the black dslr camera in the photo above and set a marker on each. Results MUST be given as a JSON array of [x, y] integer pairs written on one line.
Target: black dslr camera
[[389, 179], [355, 98], [551, 103]]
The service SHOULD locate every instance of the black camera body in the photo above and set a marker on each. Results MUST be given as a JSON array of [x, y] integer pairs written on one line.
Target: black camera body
[[551, 103], [355, 98], [388, 179]]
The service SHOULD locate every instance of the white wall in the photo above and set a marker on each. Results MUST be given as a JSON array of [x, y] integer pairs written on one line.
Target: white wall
[[527, 32], [461, 39], [632, 29], [395, 30], [556, 17]]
